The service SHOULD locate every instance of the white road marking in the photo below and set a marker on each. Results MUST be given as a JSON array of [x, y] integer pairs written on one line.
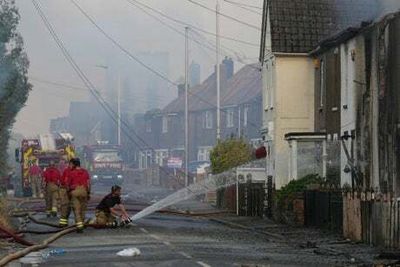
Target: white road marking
[[203, 264], [144, 230], [155, 237], [187, 256], [167, 243]]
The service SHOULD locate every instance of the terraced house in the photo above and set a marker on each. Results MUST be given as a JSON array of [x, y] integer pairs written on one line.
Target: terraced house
[[240, 117]]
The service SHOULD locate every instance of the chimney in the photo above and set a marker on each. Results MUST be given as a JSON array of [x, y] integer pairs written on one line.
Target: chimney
[[181, 89], [194, 76], [229, 67]]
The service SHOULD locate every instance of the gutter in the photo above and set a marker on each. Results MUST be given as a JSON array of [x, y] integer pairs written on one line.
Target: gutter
[[282, 54]]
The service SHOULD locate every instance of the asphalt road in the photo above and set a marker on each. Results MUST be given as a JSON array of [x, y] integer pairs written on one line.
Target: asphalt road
[[169, 240], [166, 240]]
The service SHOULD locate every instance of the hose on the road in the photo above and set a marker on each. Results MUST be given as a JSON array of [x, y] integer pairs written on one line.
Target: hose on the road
[[17, 238], [14, 256]]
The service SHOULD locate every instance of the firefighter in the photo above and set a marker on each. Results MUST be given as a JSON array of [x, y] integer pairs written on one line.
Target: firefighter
[[35, 177], [110, 208], [51, 177], [79, 188], [65, 203]]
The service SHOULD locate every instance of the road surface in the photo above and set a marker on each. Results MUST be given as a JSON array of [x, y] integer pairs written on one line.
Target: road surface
[[166, 240]]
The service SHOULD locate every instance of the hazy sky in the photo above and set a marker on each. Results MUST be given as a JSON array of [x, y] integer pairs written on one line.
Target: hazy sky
[[135, 30]]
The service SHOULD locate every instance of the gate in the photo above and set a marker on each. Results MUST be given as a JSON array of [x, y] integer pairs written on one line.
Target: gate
[[251, 199], [323, 210]]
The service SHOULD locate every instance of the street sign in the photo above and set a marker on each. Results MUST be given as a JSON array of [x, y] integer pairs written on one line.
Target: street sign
[[175, 163]]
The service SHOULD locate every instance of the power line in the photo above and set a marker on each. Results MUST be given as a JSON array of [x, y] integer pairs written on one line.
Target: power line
[[131, 56], [243, 7], [132, 2], [200, 43], [158, 100], [243, 4], [86, 81], [226, 16], [165, 24], [157, 73]]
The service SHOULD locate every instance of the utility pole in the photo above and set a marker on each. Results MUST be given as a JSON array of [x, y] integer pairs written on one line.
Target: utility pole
[[186, 105], [119, 109], [218, 74]]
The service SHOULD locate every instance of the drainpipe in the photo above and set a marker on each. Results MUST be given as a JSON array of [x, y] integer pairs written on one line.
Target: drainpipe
[[239, 123], [324, 159], [237, 192], [294, 160]]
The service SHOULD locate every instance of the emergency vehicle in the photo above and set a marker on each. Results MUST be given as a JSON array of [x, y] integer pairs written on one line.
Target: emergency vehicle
[[43, 149], [104, 163]]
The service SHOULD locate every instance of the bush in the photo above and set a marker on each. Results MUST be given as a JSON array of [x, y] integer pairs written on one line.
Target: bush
[[229, 154], [288, 192]]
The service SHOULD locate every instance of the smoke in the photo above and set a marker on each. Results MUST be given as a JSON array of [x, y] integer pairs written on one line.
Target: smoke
[[388, 6]]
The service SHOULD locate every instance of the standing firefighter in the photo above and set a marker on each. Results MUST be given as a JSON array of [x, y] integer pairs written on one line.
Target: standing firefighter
[[51, 177], [110, 208], [65, 204], [79, 186], [35, 179]]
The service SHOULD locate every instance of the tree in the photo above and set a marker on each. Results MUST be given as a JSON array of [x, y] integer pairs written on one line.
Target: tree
[[14, 85], [229, 154]]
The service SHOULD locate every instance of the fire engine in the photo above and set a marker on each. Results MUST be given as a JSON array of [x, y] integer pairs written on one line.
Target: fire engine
[[104, 163], [43, 149]]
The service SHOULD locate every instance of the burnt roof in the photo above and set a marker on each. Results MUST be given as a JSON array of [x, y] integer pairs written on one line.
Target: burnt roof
[[244, 87], [298, 26]]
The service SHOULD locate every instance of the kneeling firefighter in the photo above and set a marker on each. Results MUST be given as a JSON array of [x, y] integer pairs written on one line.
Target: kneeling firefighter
[[79, 191], [110, 208]]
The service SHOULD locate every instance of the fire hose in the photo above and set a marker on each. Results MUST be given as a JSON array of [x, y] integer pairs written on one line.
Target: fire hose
[[63, 231], [19, 254]]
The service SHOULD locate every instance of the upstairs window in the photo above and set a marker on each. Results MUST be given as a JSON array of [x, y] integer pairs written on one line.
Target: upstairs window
[[245, 115], [229, 118], [208, 120], [165, 124]]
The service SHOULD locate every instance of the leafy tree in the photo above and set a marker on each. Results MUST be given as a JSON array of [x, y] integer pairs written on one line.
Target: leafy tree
[[14, 85], [228, 154]]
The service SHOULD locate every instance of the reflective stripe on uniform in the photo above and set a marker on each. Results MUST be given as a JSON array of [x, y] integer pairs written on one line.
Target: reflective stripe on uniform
[[79, 224], [54, 209]]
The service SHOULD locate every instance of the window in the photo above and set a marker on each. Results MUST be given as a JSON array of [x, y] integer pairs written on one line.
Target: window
[[208, 120], [245, 114], [145, 159], [229, 118], [148, 126], [165, 124], [203, 153], [161, 155]]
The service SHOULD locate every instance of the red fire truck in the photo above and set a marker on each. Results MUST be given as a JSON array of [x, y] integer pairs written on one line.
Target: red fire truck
[[43, 149], [104, 163]]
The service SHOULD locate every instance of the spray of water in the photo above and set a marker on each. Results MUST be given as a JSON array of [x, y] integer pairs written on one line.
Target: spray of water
[[213, 182]]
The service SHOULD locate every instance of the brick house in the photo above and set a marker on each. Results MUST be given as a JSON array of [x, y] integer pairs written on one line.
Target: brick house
[[163, 130]]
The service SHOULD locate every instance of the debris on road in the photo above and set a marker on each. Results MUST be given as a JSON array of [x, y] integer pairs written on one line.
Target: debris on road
[[129, 252], [53, 252]]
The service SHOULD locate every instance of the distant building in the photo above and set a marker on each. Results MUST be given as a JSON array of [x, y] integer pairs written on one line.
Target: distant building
[[241, 110]]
